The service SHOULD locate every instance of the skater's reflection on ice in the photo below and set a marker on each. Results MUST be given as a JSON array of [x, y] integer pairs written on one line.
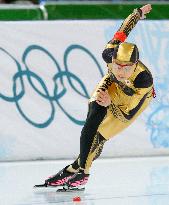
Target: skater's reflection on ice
[[64, 197]]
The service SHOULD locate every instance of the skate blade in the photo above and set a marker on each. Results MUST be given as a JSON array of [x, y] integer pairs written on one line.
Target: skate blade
[[45, 187], [71, 190], [40, 185]]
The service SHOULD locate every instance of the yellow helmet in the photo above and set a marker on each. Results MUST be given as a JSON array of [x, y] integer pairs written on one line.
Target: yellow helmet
[[126, 52]]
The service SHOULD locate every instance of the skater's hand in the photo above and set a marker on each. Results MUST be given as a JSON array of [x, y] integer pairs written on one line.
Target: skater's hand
[[146, 9], [103, 98]]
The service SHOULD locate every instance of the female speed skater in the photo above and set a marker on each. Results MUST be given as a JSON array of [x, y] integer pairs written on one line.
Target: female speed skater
[[119, 98]]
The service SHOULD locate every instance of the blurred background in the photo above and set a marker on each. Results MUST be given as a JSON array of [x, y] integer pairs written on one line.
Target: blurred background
[[50, 57], [78, 9], [37, 1]]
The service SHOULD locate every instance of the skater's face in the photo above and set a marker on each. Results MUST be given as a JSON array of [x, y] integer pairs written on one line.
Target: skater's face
[[122, 70]]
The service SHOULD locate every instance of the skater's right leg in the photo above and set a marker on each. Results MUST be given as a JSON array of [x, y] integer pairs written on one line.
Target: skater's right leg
[[91, 143], [96, 114]]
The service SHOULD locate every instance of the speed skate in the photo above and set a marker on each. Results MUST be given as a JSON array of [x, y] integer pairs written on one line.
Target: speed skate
[[65, 181], [63, 188]]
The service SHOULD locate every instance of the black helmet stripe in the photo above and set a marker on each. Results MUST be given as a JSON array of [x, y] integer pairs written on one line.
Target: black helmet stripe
[[131, 55]]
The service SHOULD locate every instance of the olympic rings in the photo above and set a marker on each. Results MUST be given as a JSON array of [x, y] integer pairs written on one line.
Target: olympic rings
[[18, 82]]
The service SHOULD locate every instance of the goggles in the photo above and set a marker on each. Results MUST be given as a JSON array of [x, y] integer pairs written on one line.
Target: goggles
[[117, 65]]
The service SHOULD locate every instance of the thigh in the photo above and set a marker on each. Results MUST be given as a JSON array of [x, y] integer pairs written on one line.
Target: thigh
[[112, 125]]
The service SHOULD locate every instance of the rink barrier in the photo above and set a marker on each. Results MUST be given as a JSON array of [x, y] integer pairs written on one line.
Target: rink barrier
[[20, 13], [54, 11], [103, 11]]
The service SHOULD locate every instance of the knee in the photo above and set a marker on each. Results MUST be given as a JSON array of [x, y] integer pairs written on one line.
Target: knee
[[96, 109]]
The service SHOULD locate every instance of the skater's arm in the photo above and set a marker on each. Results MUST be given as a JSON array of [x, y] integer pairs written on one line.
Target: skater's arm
[[103, 98], [120, 36], [130, 22]]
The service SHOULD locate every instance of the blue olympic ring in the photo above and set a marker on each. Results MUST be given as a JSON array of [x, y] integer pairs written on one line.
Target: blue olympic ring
[[28, 74], [43, 90], [17, 97]]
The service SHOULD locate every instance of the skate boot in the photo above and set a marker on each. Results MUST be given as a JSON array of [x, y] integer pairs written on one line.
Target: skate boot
[[76, 182], [58, 179]]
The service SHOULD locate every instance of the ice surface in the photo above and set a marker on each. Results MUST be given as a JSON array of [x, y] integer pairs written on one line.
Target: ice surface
[[134, 181]]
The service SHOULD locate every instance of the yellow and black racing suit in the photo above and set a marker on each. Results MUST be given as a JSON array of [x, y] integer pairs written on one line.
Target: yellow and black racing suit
[[128, 100]]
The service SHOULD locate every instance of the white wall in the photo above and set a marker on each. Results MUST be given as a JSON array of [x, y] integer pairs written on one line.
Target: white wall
[[47, 72]]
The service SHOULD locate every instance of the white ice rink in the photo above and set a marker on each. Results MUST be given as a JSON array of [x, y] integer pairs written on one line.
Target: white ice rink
[[135, 181]]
